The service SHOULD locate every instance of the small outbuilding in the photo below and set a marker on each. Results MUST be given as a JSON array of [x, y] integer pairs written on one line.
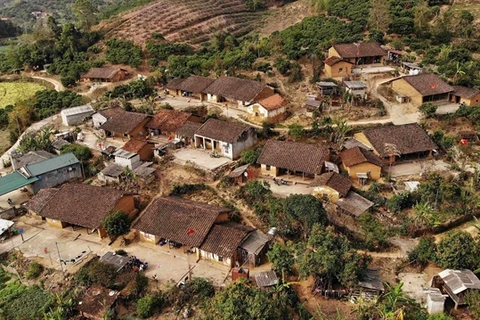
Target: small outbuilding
[[270, 109], [127, 159], [106, 74], [76, 115], [456, 283], [356, 88], [435, 301], [266, 279], [467, 96], [116, 260]]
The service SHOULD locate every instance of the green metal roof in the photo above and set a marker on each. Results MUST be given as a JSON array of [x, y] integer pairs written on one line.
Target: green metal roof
[[42, 167], [14, 181]]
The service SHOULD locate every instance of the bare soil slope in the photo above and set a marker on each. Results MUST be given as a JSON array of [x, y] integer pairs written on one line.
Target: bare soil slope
[[189, 21]]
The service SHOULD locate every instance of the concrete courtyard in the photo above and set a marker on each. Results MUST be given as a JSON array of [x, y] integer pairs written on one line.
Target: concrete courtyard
[[169, 265], [200, 157]]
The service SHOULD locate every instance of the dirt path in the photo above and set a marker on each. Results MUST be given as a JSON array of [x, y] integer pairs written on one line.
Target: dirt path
[[57, 84]]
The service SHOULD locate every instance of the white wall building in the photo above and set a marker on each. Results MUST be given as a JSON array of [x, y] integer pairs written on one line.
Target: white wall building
[[76, 115]]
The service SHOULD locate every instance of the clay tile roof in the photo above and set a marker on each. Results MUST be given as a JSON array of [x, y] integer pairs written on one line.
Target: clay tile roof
[[168, 120], [225, 238], [335, 181], [134, 145], [195, 84], [236, 88], [363, 49], [357, 155], [428, 84], [408, 138], [188, 129], [273, 102], [124, 122], [172, 217], [222, 130], [465, 92], [39, 201], [81, 204], [334, 60], [101, 73], [294, 156], [110, 112], [174, 84]]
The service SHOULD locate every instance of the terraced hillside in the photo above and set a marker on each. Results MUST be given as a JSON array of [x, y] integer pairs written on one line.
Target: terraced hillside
[[189, 21]]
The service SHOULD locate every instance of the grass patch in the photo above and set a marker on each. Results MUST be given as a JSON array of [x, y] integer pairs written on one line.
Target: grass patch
[[12, 92], [18, 301]]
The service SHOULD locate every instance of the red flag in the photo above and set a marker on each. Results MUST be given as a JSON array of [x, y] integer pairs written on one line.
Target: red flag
[[432, 85], [190, 232], [463, 142]]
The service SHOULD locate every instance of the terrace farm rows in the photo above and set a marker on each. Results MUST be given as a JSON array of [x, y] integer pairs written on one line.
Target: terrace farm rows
[[191, 21]]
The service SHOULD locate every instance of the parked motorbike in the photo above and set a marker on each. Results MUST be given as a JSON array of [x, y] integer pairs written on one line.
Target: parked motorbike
[[214, 154]]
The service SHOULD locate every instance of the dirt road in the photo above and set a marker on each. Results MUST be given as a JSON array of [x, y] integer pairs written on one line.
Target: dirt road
[[57, 84]]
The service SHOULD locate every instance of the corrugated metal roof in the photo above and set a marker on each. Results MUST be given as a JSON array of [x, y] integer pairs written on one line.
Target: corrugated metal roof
[[49, 165], [4, 225], [237, 172], [354, 203], [266, 279], [78, 110], [460, 280], [115, 260], [14, 181], [372, 280], [124, 154], [255, 242], [355, 84]]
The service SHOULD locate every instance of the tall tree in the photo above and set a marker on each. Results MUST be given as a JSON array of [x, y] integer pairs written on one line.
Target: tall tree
[[422, 17], [380, 15], [84, 12]]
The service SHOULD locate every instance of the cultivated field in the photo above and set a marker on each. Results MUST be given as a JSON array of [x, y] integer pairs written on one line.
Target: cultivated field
[[12, 92], [190, 21]]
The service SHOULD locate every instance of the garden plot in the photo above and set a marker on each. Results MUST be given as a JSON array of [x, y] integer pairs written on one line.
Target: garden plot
[[12, 92]]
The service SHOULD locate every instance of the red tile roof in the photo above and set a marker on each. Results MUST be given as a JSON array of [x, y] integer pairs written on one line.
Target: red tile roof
[[81, 204], [222, 130], [235, 88], [172, 218], [124, 122], [273, 102], [224, 238], [134, 145], [335, 181], [334, 60], [408, 138], [361, 50], [110, 112], [294, 156], [168, 120], [465, 92], [428, 84], [39, 201], [357, 155]]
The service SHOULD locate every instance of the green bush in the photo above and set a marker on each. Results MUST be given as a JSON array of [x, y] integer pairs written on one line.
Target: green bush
[[117, 223], [180, 190], [150, 304], [97, 272], [34, 270], [83, 153], [428, 109], [250, 156]]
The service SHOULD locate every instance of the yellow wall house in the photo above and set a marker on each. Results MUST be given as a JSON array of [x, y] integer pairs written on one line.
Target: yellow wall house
[[360, 163], [361, 53], [130, 125], [171, 218], [424, 87], [331, 186], [465, 95], [80, 205], [409, 140], [284, 158], [336, 67]]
